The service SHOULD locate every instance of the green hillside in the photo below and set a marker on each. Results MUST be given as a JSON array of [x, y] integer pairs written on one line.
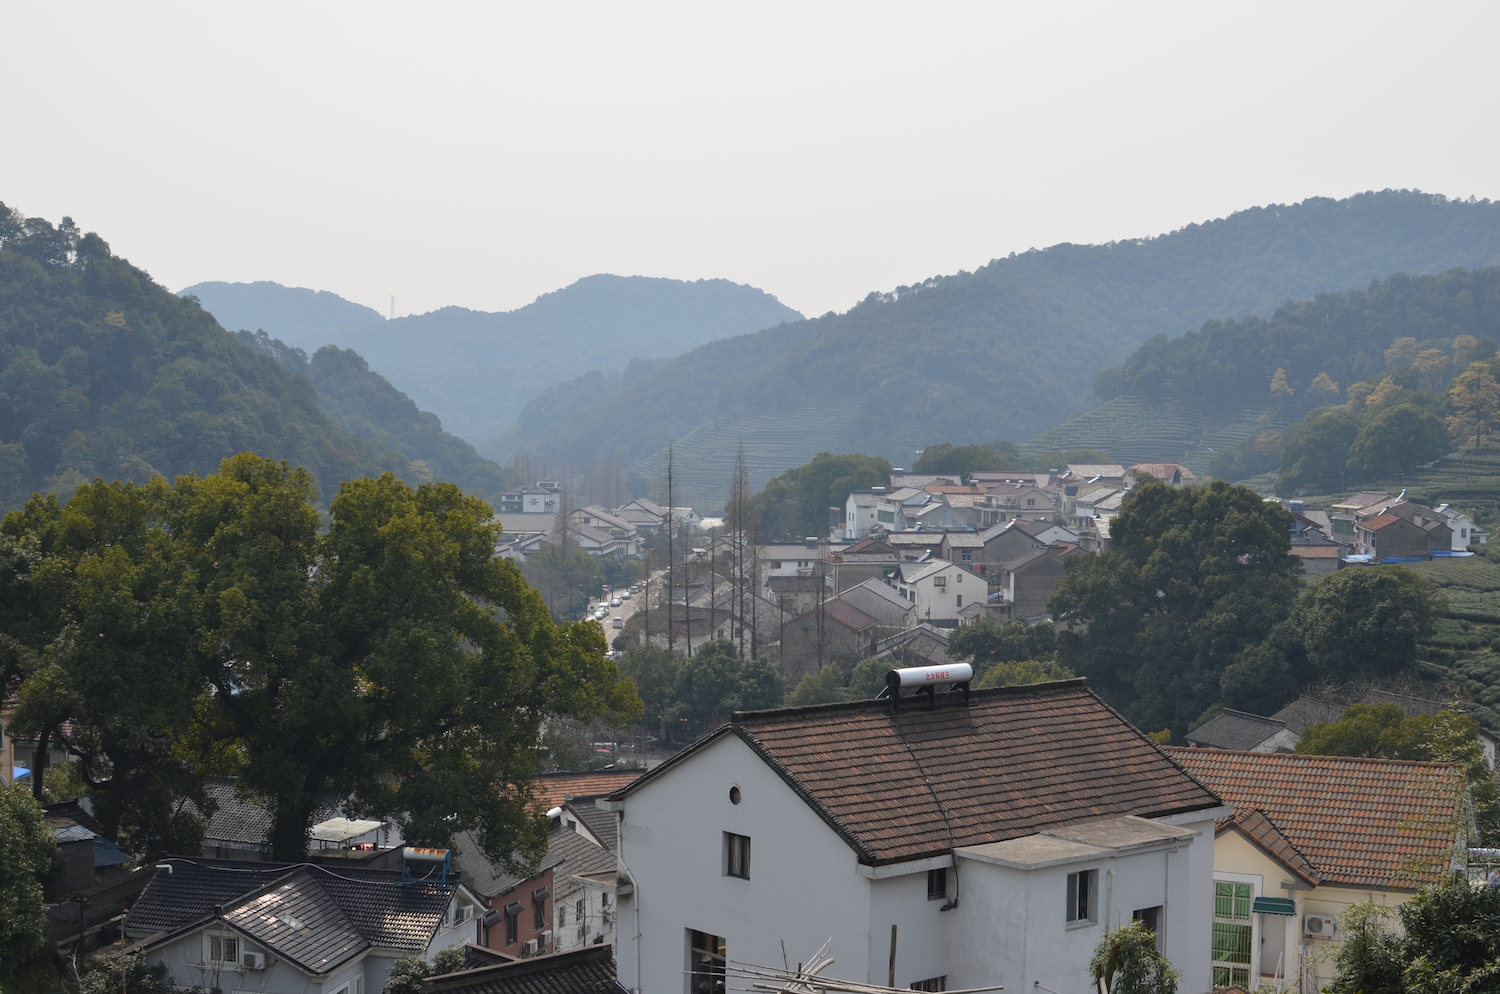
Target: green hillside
[[1203, 396], [365, 403], [107, 373], [1011, 350], [476, 369]]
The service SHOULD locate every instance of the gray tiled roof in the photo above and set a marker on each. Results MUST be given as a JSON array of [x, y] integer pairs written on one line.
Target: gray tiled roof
[[481, 875], [331, 914], [244, 823], [1235, 730], [590, 970], [601, 823], [578, 854], [299, 919]]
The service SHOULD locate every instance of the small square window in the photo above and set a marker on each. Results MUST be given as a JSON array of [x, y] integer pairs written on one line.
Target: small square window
[[224, 949], [937, 887], [1080, 897], [736, 856]]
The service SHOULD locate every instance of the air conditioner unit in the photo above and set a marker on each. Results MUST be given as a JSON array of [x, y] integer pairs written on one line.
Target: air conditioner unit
[[530, 949], [254, 961], [1317, 925], [547, 937]]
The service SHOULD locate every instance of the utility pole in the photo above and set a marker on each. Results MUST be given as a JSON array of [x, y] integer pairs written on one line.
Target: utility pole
[[671, 632]]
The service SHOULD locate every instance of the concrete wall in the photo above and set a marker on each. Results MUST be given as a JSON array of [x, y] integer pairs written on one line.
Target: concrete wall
[[1011, 927], [672, 848], [1238, 860]]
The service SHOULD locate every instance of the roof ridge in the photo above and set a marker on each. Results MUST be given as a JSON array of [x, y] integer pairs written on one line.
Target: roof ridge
[[770, 714], [1298, 755]]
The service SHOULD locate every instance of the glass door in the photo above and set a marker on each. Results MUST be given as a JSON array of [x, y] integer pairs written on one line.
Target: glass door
[[1233, 931]]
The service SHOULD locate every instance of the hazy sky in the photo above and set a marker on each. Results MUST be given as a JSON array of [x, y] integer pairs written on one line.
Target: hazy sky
[[483, 154]]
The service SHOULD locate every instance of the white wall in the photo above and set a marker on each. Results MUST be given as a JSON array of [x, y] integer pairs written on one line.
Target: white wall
[[1011, 925], [672, 848]]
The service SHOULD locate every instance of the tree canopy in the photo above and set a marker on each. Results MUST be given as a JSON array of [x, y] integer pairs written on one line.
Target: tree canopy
[[795, 504], [210, 626], [1197, 575], [29, 865]]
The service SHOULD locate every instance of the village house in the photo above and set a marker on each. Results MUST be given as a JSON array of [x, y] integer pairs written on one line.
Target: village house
[[1022, 501], [1309, 837], [874, 510], [1026, 583], [912, 545], [1171, 473], [1281, 731], [989, 837], [1465, 532], [868, 559], [1345, 513], [882, 602], [291, 928], [938, 590], [832, 632], [1391, 537]]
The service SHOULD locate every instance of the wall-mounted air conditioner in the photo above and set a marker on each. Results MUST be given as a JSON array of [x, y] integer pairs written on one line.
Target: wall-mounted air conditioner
[[1318, 926], [530, 949], [254, 961], [547, 938]]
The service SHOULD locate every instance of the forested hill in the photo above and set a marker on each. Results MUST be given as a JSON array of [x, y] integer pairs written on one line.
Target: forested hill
[[1005, 352], [106, 373], [476, 370], [364, 402], [295, 314]]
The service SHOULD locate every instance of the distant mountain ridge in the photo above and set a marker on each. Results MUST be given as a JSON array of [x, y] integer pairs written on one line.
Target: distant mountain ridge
[[476, 370], [294, 314], [1008, 351]]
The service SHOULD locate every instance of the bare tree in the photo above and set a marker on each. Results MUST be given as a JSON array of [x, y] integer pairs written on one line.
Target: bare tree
[[671, 557]]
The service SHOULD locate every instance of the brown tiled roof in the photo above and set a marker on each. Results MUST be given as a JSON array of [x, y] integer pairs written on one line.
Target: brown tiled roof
[[1316, 551], [1382, 823], [919, 782], [1381, 521], [554, 788], [1255, 826]]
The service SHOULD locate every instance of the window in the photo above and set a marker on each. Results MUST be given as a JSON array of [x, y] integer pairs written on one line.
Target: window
[[706, 960], [776, 564], [1081, 887], [937, 889], [934, 984], [967, 556], [510, 923], [539, 915], [1232, 933], [736, 856], [224, 949], [887, 517], [940, 581], [1151, 918], [1031, 502], [960, 600]]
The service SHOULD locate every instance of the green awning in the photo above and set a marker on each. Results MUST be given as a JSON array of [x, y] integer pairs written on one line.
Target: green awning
[[1274, 906]]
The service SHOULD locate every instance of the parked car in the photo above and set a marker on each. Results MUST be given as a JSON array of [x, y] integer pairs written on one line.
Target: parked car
[[625, 596], [615, 602], [619, 622]]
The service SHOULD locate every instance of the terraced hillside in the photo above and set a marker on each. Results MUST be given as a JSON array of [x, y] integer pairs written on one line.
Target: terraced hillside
[[1136, 429], [703, 460]]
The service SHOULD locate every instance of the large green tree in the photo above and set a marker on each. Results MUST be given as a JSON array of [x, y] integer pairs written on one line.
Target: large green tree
[[715, 682], [1315, 454], [115, 644], [1397, 441], [795, 504], [1196, 576], [29, 864], [1367, 621]]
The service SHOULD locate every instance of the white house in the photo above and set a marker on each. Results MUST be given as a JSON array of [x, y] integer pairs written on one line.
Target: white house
[[865, 510], [290, 929], [1465, 531], [987, 838], [938, 589]]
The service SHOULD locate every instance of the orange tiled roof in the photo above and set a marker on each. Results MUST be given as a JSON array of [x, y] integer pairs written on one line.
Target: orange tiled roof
[[554, 788], [1381, 521], [1382, 823]]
